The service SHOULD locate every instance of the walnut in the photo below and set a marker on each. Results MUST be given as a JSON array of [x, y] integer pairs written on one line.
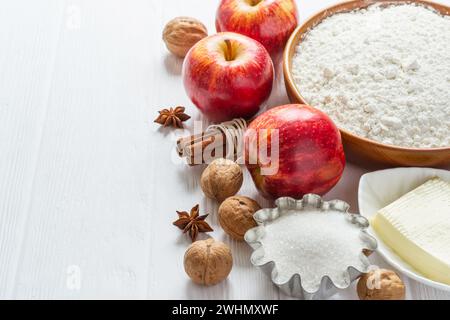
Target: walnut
[[208, 262], [221, 179], [381, 284], [180, 35], [236, 216]]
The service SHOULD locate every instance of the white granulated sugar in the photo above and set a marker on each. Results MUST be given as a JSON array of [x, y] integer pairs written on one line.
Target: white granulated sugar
[[313, 244], [381, 73]]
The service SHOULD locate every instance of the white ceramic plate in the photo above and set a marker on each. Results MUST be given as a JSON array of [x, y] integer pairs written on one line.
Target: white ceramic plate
[[380, 188]]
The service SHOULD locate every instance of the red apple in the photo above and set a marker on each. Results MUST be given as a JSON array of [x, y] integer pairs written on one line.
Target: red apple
[[270, 22], [309, 151], [228, 76]]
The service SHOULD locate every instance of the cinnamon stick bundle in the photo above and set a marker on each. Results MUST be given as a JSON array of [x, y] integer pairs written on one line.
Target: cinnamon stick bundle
[[194, 147]]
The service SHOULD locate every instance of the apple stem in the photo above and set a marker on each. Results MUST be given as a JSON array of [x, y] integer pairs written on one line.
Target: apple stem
[[229, 51]]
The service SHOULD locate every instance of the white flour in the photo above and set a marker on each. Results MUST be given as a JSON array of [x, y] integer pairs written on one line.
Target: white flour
[[381, 73]]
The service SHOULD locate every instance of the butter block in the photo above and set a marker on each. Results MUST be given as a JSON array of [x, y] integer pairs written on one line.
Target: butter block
[[417, 228]]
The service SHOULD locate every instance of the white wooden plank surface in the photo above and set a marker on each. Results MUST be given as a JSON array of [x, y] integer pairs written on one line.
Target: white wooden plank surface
[[88, 184], [29, 35]]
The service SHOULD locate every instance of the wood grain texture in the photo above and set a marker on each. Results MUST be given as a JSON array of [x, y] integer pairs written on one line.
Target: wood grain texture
[[89, 185], [28, 43]]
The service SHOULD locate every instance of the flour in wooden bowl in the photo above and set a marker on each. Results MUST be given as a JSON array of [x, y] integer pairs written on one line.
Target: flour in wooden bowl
[[382, 73]]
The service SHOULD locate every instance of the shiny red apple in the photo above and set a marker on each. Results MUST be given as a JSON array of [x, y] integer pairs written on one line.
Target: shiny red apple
[[304, 147], [228, 76], [270, 22]]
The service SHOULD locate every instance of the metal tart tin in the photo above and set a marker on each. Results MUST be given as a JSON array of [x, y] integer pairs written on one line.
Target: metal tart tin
[[294, 286]]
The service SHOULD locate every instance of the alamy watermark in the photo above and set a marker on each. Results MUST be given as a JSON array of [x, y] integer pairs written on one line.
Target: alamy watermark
[[73, 17], [73, 278], [374, 280]]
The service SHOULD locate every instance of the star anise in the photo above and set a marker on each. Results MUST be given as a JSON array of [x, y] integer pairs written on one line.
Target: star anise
[[172, 117], [192, 223]]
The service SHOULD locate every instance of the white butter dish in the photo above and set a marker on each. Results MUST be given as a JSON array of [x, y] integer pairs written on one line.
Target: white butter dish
[[379, 189]]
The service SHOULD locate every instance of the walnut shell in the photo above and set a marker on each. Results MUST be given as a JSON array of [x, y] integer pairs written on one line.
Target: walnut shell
[[180, 35], [221, 179], [236, 216], [381, 284], [208, 262]]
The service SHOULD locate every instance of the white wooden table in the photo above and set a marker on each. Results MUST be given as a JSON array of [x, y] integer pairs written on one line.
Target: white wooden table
[[89, 184]]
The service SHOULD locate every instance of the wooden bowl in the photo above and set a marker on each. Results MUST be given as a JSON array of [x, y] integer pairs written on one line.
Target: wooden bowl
[[355, 146]]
